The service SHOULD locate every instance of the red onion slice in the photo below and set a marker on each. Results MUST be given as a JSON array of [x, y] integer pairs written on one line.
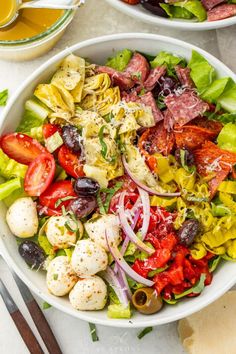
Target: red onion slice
[[127, 228], [143, 186], [124, 282], [124, 266], [146, 211], [117, 285]]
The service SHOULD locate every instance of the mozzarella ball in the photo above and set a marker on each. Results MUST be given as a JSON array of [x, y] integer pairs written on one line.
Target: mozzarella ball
[[60, 276], [89, 294], [88, 258], [22, 218], [58, 234], [96, 230]]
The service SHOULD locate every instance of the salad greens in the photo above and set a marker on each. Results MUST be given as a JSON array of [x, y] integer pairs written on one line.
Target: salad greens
[[93, 332], [144, 332], [7, 188], [3, 97], [120, 60], [186, 9], [227, 137], [170, 60]]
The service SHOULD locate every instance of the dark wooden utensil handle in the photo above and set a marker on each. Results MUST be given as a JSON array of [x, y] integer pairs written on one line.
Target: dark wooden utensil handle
[[43, 328], [26, 333]]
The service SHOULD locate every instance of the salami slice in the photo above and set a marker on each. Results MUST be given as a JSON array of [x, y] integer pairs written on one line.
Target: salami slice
[[211, 160], [184, 77], [153, 77], [221, 12], [121, 79], [185, 107], [168, 120], [138, 68], [148, 100], [129, 97], [209, 4]]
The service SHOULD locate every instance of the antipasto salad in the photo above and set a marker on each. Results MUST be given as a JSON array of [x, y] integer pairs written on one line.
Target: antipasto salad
[[120, 181], [194, 10]]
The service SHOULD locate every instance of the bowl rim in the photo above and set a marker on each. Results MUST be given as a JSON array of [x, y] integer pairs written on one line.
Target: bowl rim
[[61, 21], [47, 297], [167, 22]]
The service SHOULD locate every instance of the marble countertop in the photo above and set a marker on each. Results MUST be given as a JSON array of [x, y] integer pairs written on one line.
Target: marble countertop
[[94, 19]]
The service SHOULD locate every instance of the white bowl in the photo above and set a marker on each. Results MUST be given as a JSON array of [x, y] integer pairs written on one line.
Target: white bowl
[[98, 50], [138, 12]]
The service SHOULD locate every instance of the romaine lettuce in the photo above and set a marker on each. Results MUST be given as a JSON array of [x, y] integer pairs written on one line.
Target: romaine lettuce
[[217, 88], [227, 137], [9, 187], [121, 60], [166, 58], [186, 9], [10, 168], [34, 116], [202, 73], [3, 97], [228, 99], [176, 12]]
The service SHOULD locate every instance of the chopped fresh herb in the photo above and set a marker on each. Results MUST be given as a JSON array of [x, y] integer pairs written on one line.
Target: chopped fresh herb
[[137, 75], [213, 263], [170, 301], [69, 228], [160, 102], [196, 289], [144, 332], [93, 332], [46, 305], [110, 193], [108, 117], [104, 145], [156, 271], [61, 200], [55, 276], [3, 97], [100, 204], [190, 169]]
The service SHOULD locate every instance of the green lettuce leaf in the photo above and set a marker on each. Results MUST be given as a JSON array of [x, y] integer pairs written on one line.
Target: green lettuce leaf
[[195, 7], [228, 99], [119, 311], [120, 61], [217, 88], [176, 12], [9, 187], [3, 97], [227, 137], [34, 116], [166, 58], [202, 73], [10, 168]]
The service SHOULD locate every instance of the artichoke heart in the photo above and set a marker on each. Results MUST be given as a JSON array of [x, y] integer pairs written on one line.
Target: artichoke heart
[[70, 73], [139, 168], [101, 103], [96, 84], [57, 99]]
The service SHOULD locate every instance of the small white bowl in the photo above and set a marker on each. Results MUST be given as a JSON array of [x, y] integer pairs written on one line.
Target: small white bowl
[[30, 48], [97, 50], [138, 12]]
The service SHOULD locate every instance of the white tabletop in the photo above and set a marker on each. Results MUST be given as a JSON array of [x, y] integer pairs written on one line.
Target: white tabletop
[[95, 19]]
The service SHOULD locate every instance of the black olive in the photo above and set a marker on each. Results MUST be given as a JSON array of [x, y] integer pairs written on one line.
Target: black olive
[[32, 254], [188, 231], [71, 138], [154, 7], [84, 186], [188, 156], [166, 86], [83, 206]]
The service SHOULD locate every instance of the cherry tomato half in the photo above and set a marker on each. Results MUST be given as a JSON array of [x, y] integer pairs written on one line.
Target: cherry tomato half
[[39, 175], [70, 162], [21, 148], [50, 129], [57, 190]]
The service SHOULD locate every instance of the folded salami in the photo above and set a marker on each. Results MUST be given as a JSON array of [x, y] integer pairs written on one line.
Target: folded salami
[[153, 77], [209, 4], [221, 12], [184, 77], [185, 107]]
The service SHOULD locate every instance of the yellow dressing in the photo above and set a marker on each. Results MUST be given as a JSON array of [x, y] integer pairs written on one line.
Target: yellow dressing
[[29, 23], [7, 11]]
